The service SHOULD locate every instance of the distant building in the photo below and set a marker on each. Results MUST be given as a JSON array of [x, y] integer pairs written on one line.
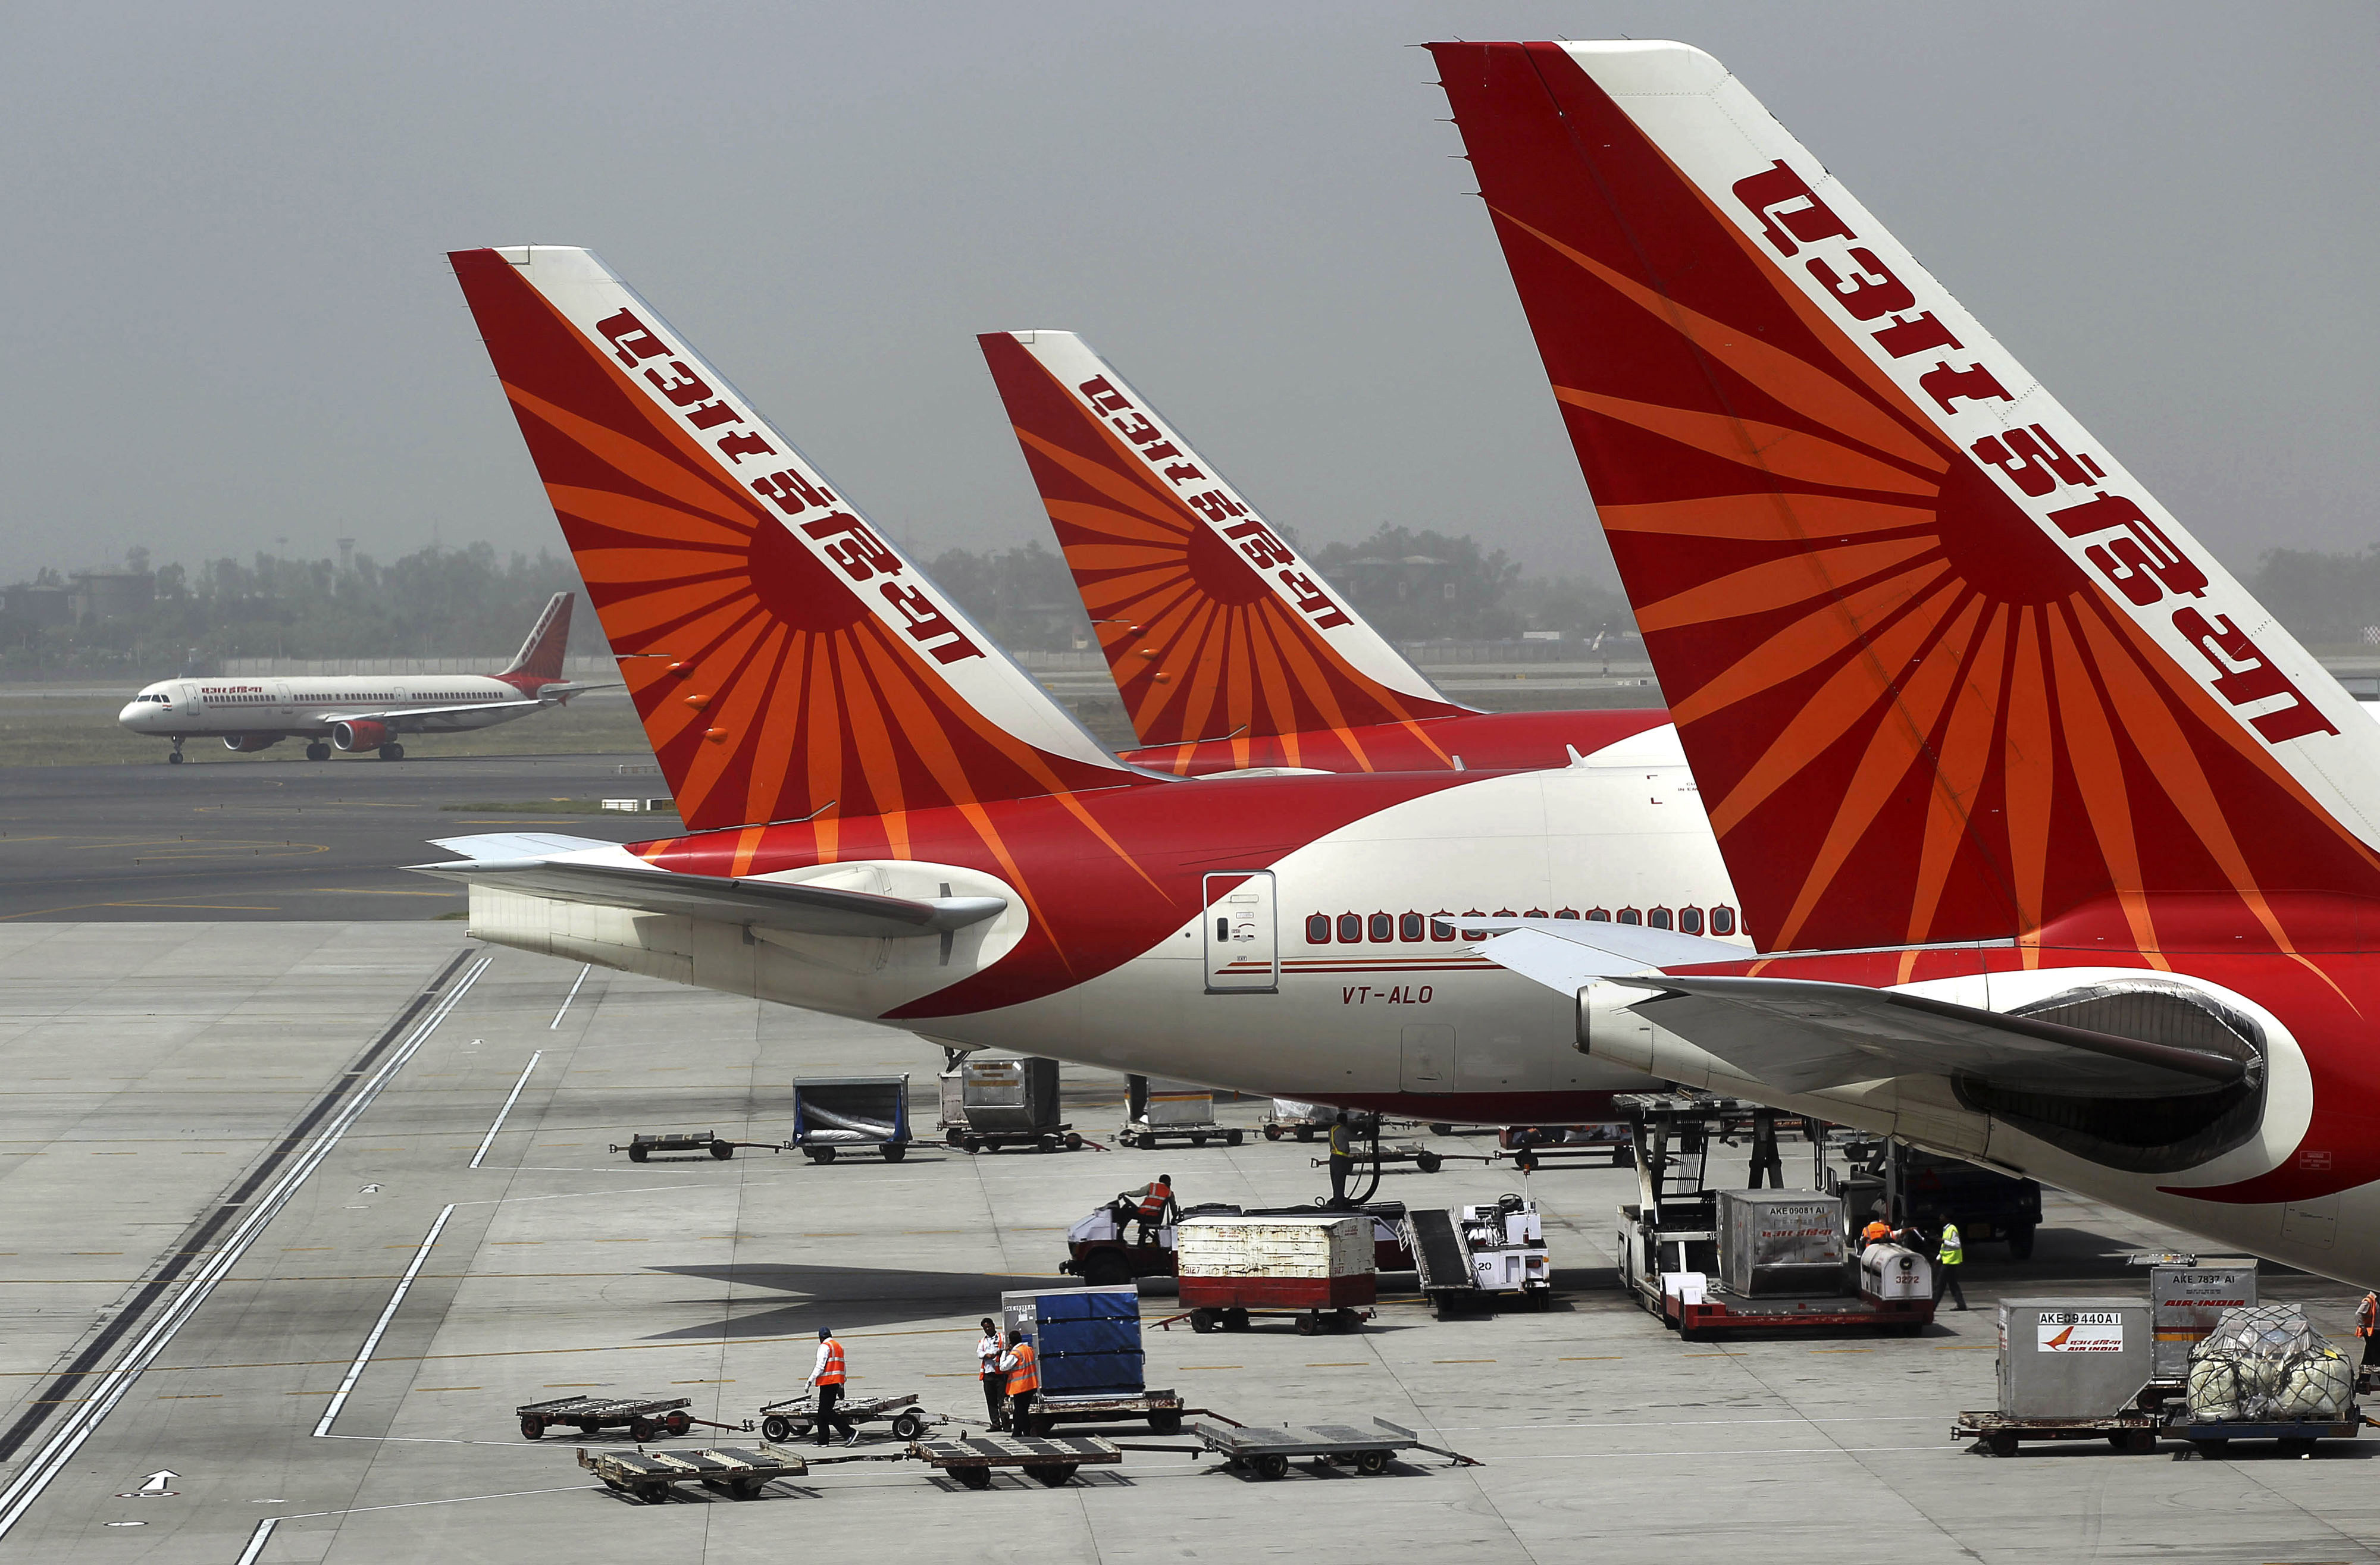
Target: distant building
[[38, 603], [103, 595]]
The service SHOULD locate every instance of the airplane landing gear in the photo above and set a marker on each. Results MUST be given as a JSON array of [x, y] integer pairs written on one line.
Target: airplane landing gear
[[176, 757], [392, 752], [318, 751]]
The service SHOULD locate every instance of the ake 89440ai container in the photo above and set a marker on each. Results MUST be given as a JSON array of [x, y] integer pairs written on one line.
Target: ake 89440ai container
[[2073, 1358]]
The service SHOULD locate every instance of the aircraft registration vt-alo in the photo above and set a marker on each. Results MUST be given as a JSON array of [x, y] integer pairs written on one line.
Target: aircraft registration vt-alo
[[2074, 850], [357, 712], [890, 819]]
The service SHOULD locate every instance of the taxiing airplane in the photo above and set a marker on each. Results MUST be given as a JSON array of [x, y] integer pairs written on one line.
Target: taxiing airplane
[[356, 712], [1230, 650], [888, 819], [2070, 851]]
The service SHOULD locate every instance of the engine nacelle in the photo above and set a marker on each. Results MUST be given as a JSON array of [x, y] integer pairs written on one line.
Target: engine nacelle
[[361, 734], [248, 744]]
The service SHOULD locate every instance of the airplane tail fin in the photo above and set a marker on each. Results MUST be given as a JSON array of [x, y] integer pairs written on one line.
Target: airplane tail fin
[[1944, 669], [541, 655], [788, 660], [1213, 626]]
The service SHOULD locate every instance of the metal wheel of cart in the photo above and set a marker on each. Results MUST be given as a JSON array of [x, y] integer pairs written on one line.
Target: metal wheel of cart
[[1268, 1465], [1166, 1423], [973, 1477], [1372, 1462], [1272, 1133], [2000, 1444], [532, 1428], [908, 1427], [777, 1431], [894, 1152], [1054, 1474]]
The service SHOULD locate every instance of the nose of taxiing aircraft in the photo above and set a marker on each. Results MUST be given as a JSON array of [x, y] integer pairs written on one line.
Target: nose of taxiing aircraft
[[137, 711]]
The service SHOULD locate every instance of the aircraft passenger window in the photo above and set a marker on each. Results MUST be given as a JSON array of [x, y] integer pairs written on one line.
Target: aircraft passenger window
[[1658, 918], [1438, 928], [1473, 934], [1722, 920], [1351, 928], [1630, 916], [1566, 912], [1598, 916], [1690, 920], [1409, 926], [1534, 913], [1318, 929], [1383, 927]]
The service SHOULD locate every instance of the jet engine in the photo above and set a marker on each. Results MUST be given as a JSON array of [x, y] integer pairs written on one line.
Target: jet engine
[[248, 744], [361, 734]]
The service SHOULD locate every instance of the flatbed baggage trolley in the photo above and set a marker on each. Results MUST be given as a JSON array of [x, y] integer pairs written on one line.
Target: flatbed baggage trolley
[[2000, 1433], [733, 1471], [1050, 1459], [2296, 1439], [641, 1145], [643, 1417], [1163, 1410], [1266, 1451], [797, 1416], [1166, 1111]]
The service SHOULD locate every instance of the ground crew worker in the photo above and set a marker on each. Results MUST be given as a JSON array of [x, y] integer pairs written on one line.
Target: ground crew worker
[[1878, 1231], [1151, 1206], [1342, 1157], [1023, 1380], [826, 1379], [1947, 1262], [2367, 1326], [987, 1349]]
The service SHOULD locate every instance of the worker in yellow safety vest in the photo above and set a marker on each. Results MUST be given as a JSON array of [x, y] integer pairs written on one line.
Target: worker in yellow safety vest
[[987, 1349], [1023, 1380], [827, 1376], [2367, 1326], [1947, 1259]]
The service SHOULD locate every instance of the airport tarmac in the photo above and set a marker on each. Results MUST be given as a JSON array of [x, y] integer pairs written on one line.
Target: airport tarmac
[[265, 841], [357, 1204]]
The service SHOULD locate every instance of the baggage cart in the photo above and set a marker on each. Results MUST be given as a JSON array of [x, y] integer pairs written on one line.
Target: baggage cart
[[1162, 1111], [2131, 1430], [734, 1471], [837, 1114], [1530, 1147], [1266, 1451], [1293, 1117], [796, 1417], [1005, 1103], [1312, 1268], [641, 1145], [1162, 1411], [1050, 1459], [643, 1417], [2296, 1439]]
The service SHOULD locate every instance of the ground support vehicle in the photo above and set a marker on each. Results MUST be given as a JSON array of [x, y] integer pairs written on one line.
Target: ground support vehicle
[[1266, 1451], [1162, 1409], [1155, 1114], [643, 1417], [1923, 1191], [1051, 1460], [2001, 1433], [796, 1417], [837, 1114], [1237, 1317], [1468, 1257], [733, 1471], [1427, 1160], [641, 1146], [991, 1104], [1097, 1252]]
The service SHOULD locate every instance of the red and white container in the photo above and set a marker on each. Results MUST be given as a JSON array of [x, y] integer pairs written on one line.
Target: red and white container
[[1302, 1263]]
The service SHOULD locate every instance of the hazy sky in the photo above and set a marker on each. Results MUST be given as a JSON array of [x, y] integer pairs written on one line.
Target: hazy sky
[[232, 321]]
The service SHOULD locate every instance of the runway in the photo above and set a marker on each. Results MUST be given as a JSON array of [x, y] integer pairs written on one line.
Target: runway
[[232, 842], [342, 1390]]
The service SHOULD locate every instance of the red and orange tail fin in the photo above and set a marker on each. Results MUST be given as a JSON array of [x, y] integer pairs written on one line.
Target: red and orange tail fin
[[541, 655], [1943, 668], [1212, 625], [788, 660]]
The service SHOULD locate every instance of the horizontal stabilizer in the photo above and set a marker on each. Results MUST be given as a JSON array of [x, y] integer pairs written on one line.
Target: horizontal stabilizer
[[1800, 1035], [776, 905]]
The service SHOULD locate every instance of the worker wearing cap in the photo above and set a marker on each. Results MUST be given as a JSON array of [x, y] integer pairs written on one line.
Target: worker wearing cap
[[1947, 1262], [1152, 1206], [826, 1378], [1023, 1380], [1342, 1157], [2367, 1326], [987, 1349]]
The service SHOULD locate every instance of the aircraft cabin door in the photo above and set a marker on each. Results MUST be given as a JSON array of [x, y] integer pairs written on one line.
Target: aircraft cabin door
[[1243, 943]]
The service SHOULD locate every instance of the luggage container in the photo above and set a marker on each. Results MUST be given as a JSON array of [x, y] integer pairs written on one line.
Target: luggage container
[[1005, 1103], [838, 1115], [2187, 1299], [1781, 1243], [1087, 1349], [1159, 1112], [1320, 1269], [2262, 1373], [2073, 1358]]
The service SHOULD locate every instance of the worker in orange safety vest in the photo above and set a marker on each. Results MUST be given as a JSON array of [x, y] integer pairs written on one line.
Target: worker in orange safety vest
[[1023, 1380], [827, 1376], [2367, 1326], [1877, 1233], [1150, 1206]]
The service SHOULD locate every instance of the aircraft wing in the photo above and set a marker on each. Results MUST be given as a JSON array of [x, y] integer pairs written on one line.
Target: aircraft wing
[[776, 905], [394, 714], [1800, 1035]]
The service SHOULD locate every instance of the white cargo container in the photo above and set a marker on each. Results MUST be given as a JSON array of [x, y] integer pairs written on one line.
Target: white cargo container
[[1290, 1262]]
